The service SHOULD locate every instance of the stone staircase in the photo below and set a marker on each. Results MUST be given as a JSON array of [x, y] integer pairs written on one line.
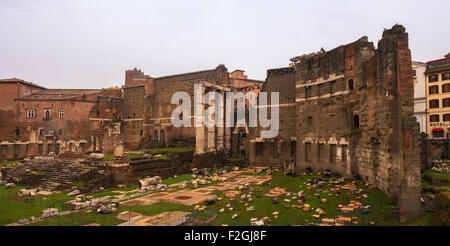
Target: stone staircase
[[58, 173]]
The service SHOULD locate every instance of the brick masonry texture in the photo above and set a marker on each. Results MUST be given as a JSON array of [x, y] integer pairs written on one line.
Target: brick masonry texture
[[353, 116]]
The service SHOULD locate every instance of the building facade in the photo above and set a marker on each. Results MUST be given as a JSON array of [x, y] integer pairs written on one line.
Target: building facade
[[37, 121], [420, 96], [438, 97]]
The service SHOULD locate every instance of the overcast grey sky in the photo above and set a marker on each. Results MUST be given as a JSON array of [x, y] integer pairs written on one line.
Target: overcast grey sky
[[89, 43]]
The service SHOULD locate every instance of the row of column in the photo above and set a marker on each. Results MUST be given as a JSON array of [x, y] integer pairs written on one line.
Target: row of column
[[209, 139]]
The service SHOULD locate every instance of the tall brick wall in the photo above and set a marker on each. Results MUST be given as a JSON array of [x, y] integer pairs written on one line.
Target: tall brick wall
[[133, 108], [354, 115], [276, 151]]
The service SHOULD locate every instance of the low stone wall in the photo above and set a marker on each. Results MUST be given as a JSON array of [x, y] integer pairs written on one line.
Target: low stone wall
[[209, 159], [181, 164], [158, 167]]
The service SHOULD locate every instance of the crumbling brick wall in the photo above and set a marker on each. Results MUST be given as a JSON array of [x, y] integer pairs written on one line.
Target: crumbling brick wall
[[354, 116]]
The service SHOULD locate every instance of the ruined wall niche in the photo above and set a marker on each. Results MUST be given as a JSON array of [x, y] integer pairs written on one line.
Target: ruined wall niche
[[350, 84], [356, 121]]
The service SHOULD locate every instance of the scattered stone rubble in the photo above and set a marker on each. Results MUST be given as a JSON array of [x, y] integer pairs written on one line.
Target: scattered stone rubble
[[49, 212], [96, 156], [441, 167], [151, 184]]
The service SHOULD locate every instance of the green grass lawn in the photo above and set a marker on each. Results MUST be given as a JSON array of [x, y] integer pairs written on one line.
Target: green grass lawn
[[294, 216], [82, 217], [8, 163], [381, 206], [178, 179], [109, 156], [435, 181], [437, 178], [12, 209]]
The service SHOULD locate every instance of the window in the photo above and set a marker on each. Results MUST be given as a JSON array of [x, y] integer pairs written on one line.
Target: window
[[446, 102], [414, 73], [41, 132], [31, 113], [446, 76], [434, 103], [61, 113], [433, 78], [446, 117], [60, 132], [433, 89], [17, 131], [356, 121], [434, 118], [142, 132], [445, 88], [47, 114], [350, 84], [156, 135]]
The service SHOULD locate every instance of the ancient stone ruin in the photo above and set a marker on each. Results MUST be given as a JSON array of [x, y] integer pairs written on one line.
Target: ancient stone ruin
[[350, 110]]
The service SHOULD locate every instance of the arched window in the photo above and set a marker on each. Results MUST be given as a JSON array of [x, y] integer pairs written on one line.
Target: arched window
[[350, 84], [47, 114], [356, 121], [156, 135]]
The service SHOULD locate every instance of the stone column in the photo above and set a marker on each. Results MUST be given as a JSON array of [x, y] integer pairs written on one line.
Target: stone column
[[221, 130], [212, 132], [45, 146], [198, 119]]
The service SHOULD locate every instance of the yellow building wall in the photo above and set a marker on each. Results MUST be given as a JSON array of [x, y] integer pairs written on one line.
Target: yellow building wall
[[441, 111]]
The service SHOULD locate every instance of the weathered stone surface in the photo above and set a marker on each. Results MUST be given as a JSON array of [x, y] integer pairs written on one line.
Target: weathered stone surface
[[49, 212], [145, 182], [96, 156], [73, 193]]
